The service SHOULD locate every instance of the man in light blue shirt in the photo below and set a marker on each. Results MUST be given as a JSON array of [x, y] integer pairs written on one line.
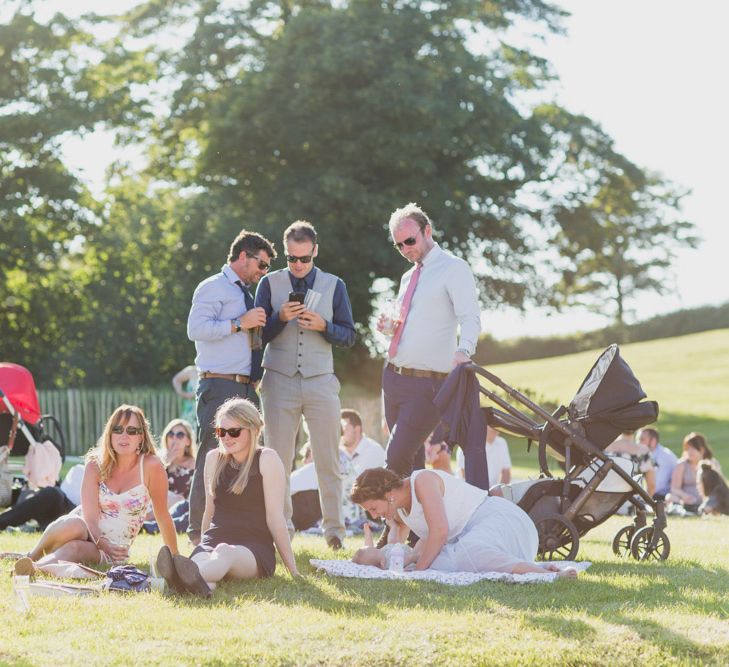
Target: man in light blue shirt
[[664, 460], [221, 321]]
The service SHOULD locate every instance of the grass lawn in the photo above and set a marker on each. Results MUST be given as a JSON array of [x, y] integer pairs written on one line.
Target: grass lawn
[[617, 613], [687, 375]]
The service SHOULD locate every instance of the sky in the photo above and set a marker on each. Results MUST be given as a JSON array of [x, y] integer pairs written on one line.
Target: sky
[[652, 73]]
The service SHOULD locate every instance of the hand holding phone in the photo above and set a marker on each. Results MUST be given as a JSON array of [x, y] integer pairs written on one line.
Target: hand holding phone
[[292, 308]]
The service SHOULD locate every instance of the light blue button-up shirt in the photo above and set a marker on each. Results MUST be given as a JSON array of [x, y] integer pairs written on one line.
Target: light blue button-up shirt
[[218, 300], [665, 461]]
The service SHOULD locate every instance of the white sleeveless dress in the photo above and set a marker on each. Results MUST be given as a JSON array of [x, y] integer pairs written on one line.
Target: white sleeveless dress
[[485, 533]]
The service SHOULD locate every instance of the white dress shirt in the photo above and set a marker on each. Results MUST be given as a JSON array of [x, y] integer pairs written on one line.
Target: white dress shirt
[[497, 459], [368, 454], [444, 299]]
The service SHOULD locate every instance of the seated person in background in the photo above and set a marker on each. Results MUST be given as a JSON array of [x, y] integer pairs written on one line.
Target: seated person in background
[[178, 457], [48, 503], [639, 454], [684, 482], [461, 528], [121, 477], [497, 459], [305, 492], [713, 489], [664, 461], [438, 455], [244, 509], [363, 452]]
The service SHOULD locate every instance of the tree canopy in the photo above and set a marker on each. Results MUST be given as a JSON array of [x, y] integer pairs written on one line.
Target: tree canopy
[[254, 114]]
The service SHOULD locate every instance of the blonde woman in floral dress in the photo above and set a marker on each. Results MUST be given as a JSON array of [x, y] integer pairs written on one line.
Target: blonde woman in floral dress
[[122, 476]]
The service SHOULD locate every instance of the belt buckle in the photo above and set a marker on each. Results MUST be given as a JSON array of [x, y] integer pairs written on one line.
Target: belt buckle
[[398, 369]]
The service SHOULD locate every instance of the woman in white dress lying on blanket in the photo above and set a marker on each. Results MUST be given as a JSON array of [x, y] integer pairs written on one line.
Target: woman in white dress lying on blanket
[[461, 528]]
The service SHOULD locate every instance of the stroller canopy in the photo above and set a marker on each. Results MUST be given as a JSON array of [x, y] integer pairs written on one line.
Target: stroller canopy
[[17, 384], [609, 386]]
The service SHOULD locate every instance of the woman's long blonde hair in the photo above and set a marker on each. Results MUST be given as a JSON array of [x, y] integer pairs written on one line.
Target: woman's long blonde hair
[[245, 415], [103, 453], [190, 450]]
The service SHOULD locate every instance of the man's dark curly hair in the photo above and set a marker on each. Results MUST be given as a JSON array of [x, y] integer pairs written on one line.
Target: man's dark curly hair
[[373, 484]]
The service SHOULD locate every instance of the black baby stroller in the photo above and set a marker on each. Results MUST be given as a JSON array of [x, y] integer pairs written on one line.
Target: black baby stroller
[[595, 485]]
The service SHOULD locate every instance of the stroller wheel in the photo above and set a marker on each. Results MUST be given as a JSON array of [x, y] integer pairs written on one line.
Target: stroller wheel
[[622, 540], [558, 538], [640, 545]]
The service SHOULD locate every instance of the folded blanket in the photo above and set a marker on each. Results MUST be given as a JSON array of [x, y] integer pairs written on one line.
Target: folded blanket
[[346, 568]]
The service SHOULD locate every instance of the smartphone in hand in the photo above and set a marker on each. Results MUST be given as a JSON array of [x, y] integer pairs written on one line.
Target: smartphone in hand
[[297, 297]]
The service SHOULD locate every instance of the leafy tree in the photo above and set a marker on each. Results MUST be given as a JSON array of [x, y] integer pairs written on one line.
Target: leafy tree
[[338, 112], [618, 238]]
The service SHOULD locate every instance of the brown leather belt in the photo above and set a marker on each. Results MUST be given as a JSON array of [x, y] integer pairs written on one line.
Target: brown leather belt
[[416, 372], [240, 379]]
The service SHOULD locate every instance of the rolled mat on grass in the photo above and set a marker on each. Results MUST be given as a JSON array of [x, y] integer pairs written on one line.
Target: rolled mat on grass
[[345, 568]]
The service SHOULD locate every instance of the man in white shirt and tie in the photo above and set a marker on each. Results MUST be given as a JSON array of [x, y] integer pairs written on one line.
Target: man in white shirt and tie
[[438, 328]]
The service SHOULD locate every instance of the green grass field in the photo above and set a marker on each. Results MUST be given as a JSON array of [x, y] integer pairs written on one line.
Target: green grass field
[[687, 375], [617, 613]]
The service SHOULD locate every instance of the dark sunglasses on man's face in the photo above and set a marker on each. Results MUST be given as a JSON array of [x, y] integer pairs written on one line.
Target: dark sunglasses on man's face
[[131, 430], [410, 241], [292, 259], [232, 432], [262, 266], [177, 434]]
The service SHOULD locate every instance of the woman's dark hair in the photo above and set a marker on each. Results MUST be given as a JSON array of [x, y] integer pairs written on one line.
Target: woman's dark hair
[[373, 484], [698, 442]]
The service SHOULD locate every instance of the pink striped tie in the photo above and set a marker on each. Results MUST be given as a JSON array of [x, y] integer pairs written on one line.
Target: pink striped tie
[[404, 312]]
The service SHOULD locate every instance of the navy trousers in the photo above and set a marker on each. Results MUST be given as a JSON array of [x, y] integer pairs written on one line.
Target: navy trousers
[[410, 416]]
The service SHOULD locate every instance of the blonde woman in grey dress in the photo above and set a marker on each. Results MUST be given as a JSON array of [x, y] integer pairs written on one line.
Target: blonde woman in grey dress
[[461, 528]]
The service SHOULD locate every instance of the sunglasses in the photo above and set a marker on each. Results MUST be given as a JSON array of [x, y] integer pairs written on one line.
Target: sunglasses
[[177, 434], [232, 432], [292, 259], [131, 430], [262, 266], [410, 241]]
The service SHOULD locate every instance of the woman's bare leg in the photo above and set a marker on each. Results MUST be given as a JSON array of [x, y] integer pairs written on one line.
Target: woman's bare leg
[[75, 551], [226, 559], [59, 532]]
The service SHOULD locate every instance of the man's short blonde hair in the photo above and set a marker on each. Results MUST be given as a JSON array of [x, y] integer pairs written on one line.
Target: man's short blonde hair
[[412, 211]]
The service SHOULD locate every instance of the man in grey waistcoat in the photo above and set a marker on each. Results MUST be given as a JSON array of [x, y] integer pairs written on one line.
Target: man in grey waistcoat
[[298, 375]]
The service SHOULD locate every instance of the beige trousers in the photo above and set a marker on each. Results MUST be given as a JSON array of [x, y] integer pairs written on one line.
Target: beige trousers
[[284, 399]]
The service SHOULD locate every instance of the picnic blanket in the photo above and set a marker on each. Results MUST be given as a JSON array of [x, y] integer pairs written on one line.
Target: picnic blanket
[[346, 568]]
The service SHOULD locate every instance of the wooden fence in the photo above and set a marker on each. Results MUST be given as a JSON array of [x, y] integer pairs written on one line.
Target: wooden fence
[[83, 412]]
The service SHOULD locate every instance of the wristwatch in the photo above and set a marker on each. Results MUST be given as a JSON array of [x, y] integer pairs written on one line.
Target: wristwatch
[[236, 324]]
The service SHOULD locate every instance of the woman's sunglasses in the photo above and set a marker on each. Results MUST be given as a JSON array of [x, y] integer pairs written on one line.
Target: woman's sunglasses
[[232, 432], [177, 434], [410, 241], [131, 430]]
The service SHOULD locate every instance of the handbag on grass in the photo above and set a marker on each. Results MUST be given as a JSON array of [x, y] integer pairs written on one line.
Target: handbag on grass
[[127, 579]]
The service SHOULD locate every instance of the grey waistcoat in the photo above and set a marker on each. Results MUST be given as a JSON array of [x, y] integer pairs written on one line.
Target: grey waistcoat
[[295, 350]]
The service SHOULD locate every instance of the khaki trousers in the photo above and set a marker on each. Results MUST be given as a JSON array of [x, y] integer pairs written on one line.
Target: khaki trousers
[[284, 399]]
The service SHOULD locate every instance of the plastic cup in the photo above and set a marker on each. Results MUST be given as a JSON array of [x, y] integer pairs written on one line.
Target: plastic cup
[[390, 315], [21, 586]]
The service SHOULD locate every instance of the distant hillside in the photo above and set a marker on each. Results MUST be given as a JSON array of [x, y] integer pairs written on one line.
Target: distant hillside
[[679, 323], [687, 375]]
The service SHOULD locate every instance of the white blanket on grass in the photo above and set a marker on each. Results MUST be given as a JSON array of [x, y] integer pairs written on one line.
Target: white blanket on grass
[[346, 568]]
